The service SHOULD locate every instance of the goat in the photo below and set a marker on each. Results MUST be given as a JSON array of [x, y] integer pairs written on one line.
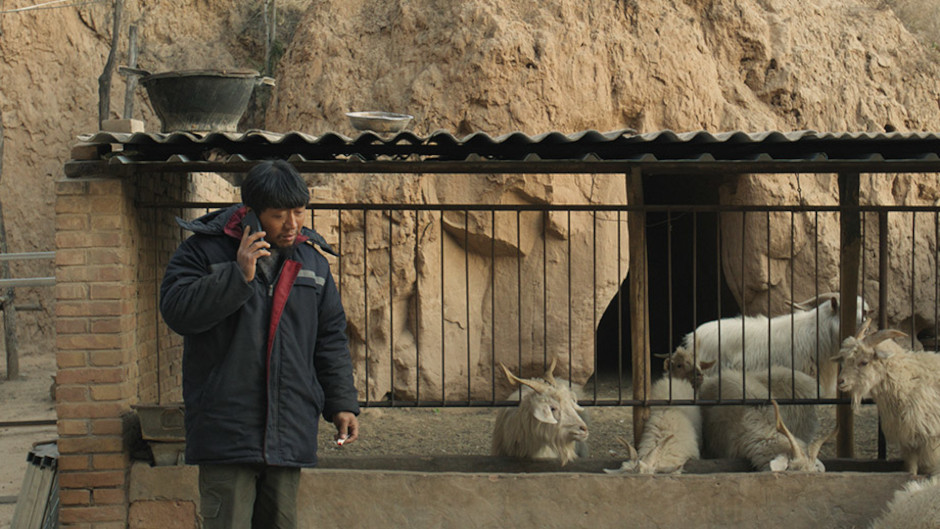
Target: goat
[[906, 389], [672, 434], [679, 365], [751, 432], [915, 506], [742, 342], [547, 423]]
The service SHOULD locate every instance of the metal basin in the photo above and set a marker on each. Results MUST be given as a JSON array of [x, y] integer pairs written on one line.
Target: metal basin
[[377, 121], [201, 100]]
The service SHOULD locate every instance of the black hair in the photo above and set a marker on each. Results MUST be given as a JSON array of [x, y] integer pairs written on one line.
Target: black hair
[[274, 184]]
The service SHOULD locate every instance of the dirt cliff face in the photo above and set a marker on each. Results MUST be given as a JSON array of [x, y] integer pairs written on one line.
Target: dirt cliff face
[[50, 60], [533, 66], [565, 65], [486, 65]]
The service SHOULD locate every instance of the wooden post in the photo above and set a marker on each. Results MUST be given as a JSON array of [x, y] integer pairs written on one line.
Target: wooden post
[[9, 309], [270, 35], [131, 81], [883, 282], [104, 80], [639, 302], [850, 231]]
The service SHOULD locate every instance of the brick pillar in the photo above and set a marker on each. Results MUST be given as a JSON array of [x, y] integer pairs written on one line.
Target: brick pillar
[[97, 237]]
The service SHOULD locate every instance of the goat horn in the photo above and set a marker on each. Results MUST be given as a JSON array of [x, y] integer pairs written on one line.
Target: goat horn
[[816, 446], [549, 375], [798, 306], [537, 386], [882, 335], [662, 355], [633, 455], [863, 329], [782, 428], [815, 301], [653, 456]]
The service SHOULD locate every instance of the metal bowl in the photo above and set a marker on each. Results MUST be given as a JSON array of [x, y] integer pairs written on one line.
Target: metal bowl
[[377, 121], [201, 100]]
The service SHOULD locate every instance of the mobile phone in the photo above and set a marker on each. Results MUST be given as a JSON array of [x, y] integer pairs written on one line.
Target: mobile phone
[[251, 219]]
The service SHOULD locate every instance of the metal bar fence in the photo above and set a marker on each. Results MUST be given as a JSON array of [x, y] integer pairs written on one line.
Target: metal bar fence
[[441, 295]]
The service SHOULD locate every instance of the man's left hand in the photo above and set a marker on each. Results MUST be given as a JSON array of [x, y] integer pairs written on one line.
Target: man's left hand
[[347, 427]]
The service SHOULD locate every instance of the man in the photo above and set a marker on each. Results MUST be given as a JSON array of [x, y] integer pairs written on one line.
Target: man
[[264, 353]]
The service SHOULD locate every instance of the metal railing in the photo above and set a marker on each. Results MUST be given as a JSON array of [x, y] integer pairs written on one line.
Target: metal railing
[[437, 296], [7, 285]]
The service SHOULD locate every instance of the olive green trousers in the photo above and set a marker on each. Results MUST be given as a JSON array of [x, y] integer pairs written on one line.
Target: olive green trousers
[[248, 496]]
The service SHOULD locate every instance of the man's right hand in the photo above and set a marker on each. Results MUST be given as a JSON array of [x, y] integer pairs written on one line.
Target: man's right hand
[[251, 248]]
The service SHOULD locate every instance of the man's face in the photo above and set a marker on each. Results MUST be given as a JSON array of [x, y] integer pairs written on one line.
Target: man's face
[[282, 226]]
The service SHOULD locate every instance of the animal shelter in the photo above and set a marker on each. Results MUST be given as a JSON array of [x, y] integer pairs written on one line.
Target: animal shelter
[[439, 294]]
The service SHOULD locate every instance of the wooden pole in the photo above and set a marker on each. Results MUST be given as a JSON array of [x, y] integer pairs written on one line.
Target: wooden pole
[[850, 235], [639, 302], [104, 80], [270, 34], [8, 307], [131, 81]]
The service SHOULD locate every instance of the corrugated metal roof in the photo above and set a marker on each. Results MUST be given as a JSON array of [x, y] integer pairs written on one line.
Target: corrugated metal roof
[[587, 151]]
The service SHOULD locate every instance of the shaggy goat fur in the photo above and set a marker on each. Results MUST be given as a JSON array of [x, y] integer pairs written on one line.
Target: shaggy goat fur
[[791, 340], [906, 388], [547, 424], [915, 506], [672, 434], [753, 432]]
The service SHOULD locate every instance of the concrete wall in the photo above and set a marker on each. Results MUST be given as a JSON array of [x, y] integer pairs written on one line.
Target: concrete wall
[[167, 498]]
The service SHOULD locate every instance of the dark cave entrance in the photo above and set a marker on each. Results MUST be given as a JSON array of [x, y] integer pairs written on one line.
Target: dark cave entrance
[[682, 249]]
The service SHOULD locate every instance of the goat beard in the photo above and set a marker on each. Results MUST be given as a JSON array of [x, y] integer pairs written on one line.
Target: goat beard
[[856, 401]]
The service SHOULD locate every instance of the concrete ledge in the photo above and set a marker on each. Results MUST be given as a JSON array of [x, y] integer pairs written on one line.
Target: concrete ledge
[[406, 497], [492, 464]]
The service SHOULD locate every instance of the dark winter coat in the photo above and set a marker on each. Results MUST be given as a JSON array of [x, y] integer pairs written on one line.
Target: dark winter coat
[[261, 360]]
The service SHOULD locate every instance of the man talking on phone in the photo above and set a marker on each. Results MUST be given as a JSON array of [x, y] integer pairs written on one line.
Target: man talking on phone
[[265, 351]]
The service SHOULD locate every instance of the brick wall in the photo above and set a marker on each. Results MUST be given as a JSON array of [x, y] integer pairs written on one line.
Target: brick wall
[[113, 351], [95, 333]]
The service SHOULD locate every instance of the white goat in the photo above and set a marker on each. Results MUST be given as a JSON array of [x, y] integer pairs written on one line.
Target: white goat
[[680, 366], [672, 434], [915, 506], [547, 423], [754, 432], [792, 340], [906, 388]]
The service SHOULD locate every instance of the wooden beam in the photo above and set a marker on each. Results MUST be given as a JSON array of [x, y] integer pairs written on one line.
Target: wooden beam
[[850, 231], [639, 302]]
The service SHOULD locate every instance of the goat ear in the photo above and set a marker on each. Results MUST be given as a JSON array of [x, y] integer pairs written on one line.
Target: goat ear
[[705, 366], [779, 463], [543, 412]]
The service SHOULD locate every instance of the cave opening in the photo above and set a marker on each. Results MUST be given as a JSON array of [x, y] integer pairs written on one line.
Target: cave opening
[[686, 286]]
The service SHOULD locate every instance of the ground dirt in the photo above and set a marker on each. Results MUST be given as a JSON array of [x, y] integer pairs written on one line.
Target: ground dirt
[[385, 431]]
